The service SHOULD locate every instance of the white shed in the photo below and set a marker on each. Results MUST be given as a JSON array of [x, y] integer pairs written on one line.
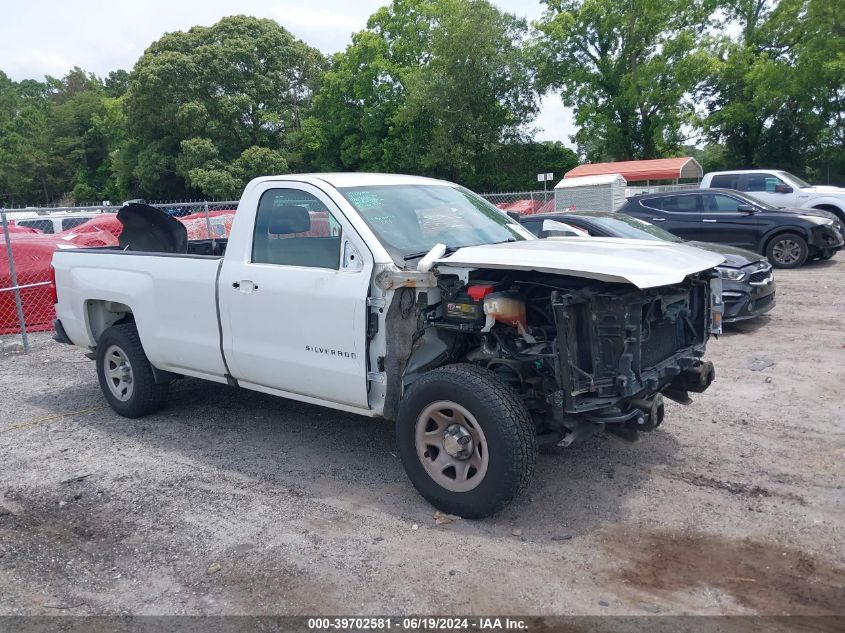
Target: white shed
[[590, 193]]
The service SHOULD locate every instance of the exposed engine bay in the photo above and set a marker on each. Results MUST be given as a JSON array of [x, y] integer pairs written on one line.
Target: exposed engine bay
[[584, 355]]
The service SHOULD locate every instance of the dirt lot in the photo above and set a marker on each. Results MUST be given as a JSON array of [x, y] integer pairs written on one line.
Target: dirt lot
[[232, 502]]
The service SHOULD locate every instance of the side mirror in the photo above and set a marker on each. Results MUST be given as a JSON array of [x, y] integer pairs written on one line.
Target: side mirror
[[746, 208], [781, 188]]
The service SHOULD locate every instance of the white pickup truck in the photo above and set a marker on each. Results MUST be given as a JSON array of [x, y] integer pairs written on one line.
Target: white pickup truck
[[404, 298], [779, 188]]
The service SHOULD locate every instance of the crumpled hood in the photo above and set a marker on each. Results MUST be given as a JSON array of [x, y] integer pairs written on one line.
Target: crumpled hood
[[643, 263]]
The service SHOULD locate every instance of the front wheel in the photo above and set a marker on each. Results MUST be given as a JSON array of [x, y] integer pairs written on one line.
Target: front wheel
[[466, 440], [125, 375], [788, 250]]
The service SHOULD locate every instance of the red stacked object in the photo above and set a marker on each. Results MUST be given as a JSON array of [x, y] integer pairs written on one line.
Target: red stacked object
[[33, 252]]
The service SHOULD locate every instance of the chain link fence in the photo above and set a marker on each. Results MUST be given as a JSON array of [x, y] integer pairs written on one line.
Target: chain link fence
[[30, 236], [523, 202]]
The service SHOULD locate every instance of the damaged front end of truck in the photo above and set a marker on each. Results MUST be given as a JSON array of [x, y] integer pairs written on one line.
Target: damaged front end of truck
[[585, 354], [618, 354]]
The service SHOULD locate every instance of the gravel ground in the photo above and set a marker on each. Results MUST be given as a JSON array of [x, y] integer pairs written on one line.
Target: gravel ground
[[232, 502]]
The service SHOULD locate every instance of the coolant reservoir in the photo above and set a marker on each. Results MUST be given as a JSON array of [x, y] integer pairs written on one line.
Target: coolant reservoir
[[507, 308]]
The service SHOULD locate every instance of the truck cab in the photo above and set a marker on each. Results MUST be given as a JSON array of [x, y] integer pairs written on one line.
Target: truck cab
[[780, 189]]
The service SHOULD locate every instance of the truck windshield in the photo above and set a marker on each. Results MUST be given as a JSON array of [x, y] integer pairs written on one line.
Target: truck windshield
[[801, 183], [410, 219]]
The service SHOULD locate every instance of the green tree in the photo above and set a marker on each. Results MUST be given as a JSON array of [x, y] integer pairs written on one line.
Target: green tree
[[430, 86], [711, 157], [775, 96], [24, 141], [242, 83], [77, 151], [116, 83], [728, 92], [627, 67], [50, 147], [205, 171], [514, 166], [111, 126], [819, 38]]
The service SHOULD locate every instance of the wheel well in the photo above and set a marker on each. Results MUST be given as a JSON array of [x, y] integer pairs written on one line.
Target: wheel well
[[782, 231], [104, 314], [839, 213]]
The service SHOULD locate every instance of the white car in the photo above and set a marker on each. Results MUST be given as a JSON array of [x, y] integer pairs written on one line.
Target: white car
[[403, 298], [50, 223], [779, 188]]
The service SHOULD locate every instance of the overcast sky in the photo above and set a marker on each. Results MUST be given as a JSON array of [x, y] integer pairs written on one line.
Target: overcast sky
[[49, 37]]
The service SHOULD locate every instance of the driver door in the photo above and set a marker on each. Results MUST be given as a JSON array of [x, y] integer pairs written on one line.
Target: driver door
[[293, 309], [679, 214], [723, 222]]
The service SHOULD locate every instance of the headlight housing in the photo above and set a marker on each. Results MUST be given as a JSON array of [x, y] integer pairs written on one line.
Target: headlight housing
[[814, 219], [733, 274]]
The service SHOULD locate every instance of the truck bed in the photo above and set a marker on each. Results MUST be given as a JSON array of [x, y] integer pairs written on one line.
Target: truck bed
[[205, 248], [172, 298]]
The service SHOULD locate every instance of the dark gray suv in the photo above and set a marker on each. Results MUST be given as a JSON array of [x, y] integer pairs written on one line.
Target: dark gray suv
[[748, 283], [788, 237]]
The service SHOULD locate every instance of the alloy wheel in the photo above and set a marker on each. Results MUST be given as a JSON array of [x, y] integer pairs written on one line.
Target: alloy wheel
[[786, 252]]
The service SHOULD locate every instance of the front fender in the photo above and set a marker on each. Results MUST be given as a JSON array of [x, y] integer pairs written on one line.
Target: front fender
[[825, 201], [805, 233]]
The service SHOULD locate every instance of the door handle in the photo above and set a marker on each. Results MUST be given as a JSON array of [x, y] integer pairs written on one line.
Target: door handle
[[245, 285], [709, 220], [658, 219]]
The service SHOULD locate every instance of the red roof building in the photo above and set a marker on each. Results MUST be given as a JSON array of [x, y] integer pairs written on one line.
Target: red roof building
[[643, 170]]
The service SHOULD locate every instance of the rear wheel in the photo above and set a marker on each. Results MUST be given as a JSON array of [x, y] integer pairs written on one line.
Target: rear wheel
[[466, 440], [788, 250], [125, 374]]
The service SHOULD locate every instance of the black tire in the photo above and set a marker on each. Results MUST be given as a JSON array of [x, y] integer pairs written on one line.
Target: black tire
[[145, 396], [791, 244], [506, 426]]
